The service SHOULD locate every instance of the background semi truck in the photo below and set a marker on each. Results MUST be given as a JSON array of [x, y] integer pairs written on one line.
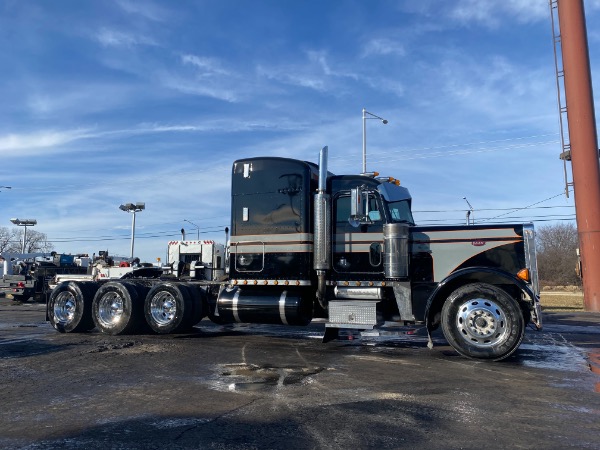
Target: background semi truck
[[308, 244]]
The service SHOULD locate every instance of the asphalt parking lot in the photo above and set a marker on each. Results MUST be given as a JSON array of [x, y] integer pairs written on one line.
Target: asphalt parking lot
[[263, 387]]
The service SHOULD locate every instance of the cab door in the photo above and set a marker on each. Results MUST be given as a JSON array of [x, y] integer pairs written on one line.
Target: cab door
[[357, 248]]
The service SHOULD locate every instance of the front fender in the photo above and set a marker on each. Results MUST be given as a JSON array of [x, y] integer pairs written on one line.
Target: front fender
[[472, 275]]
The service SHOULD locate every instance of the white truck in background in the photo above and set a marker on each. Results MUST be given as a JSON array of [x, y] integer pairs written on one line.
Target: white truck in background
[[197, 260], [27, 275]]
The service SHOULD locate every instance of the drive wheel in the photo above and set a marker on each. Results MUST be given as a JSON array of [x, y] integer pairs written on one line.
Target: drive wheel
[[168, 308], [70, 306], [482, 321], [198, 298], [117, 308]]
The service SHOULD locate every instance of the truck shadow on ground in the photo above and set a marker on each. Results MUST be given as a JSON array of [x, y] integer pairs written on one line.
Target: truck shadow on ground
[[26, 348], [400, 423]]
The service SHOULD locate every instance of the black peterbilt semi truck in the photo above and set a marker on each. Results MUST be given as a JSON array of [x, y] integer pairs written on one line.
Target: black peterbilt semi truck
[[308, 244]]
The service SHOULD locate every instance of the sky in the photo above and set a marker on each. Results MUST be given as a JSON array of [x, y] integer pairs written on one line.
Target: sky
[[106, 102]]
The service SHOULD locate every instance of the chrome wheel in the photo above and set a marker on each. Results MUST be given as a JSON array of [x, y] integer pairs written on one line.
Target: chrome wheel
[[110, 309], [163, 308], [64, 308], [168, 308], [481, 322]]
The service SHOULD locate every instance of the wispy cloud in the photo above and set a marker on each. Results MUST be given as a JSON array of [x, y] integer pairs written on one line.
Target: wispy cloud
[[148, 10], [26, 144], [115, 38], [199, 87], [315, 72], [208, 66], [383, 47], [491, 13]]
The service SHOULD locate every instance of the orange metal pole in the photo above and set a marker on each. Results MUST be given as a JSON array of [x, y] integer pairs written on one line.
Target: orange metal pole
[[584, 143]]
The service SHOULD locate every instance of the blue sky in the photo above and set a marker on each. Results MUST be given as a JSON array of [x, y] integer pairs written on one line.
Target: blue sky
[[112, 101]]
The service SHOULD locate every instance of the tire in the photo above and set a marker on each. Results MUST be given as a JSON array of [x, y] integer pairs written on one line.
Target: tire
[[168, 308], [70, 306], [118, 309], [482, 321], [198, 298]]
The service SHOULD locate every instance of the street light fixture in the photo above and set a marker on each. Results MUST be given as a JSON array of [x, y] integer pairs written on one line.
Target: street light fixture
[[132, 208], [197, 227], [24, 223], [5, 187], [469, 212], [367, 115]]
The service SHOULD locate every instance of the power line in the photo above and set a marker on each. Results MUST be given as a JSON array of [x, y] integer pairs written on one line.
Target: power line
[[421, 149], [533, 204], [490, 209]]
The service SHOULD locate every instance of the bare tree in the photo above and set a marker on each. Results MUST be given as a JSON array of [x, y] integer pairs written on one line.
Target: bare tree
[[11, 241], [556, 251], [37, 242]]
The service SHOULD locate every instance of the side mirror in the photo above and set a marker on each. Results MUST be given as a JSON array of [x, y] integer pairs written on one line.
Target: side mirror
[[359, 207]]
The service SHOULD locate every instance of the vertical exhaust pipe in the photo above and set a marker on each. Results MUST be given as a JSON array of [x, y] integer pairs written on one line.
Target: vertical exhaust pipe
[[226, 249], [322, 230]]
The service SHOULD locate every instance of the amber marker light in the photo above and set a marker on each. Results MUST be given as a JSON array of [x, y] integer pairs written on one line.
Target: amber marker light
[[524, 275]]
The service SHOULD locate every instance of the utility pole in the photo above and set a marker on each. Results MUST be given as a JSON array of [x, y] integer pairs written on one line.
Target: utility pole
[[584, 143]]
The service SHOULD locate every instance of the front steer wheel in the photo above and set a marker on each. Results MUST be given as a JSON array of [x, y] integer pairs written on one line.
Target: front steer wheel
[[482, 321], [70, 306]]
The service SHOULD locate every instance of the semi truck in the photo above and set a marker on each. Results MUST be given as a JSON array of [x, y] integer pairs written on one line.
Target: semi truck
[[307, 244]]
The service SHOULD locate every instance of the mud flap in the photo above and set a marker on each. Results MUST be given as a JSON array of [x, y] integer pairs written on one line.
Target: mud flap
[[331, 334]]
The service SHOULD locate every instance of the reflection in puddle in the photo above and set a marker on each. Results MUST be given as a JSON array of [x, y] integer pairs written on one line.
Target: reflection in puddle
[[594, 360], [251, 377]]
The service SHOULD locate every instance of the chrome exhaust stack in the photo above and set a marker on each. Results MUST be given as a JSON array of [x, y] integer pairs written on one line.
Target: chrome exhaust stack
[[322, 229]]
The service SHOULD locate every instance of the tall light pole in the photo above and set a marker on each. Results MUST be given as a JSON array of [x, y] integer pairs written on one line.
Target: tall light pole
[[132, 208], [367, 115], [24, 223], [197, 227], [469, 212], [583, 141]]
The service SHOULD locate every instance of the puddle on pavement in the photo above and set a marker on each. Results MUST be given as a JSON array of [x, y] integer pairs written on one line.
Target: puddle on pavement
[[552, 356], [253, 378], [566, 358], [164, 424], [594, 362]]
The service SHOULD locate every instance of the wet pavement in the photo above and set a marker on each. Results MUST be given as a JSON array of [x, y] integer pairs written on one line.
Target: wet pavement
[[258, 386]]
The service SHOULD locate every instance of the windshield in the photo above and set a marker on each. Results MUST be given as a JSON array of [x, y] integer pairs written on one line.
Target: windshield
[[400, 212]]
